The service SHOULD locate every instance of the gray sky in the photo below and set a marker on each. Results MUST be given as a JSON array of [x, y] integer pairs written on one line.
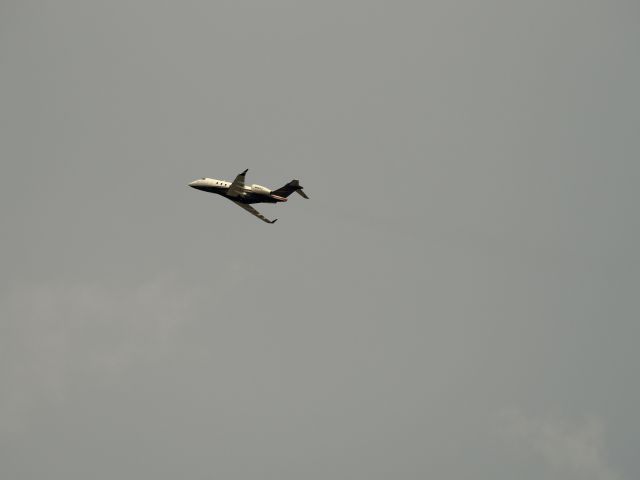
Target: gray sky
[[458, 299]]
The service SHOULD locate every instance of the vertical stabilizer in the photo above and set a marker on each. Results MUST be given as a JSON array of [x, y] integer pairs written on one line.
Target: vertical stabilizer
[[289, 188]]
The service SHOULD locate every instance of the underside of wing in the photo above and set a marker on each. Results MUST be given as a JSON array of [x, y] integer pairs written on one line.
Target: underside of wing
[[253, 211], [237, 187]]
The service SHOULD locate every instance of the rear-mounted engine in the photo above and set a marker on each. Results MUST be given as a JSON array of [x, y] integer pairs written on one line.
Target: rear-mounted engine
[[260, 189]]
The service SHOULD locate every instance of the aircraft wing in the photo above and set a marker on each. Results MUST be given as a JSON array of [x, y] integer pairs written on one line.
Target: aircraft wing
[[253, 211], [237, 187]]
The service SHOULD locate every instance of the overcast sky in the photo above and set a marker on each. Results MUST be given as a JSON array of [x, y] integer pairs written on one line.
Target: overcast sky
[[458, 300]]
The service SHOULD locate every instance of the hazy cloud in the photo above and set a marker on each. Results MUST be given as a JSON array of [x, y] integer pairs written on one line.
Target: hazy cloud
[[54, 333], [569, 448]]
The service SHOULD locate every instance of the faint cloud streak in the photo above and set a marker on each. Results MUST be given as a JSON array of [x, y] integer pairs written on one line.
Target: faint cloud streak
[[570, 449], [52, 335]]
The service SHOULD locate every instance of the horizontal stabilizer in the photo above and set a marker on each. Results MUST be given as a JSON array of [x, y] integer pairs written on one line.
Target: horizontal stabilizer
[[289, 188]]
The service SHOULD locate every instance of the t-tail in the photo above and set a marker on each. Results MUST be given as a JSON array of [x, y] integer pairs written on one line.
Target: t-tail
[[289, 188]]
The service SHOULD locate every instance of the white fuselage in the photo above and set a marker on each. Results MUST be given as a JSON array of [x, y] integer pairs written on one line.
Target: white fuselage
[[250, 193], [209, 183]]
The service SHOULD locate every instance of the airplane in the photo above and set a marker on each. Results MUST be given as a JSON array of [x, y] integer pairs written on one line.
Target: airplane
[[244, 195]]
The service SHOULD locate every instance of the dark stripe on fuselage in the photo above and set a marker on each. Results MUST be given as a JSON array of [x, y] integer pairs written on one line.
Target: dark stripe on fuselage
[[247, 197]]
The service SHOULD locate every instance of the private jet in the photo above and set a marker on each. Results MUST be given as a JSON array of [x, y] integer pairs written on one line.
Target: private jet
[[244, 195]]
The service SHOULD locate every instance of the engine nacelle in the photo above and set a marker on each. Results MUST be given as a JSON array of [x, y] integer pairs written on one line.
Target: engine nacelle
[[260, 189]]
